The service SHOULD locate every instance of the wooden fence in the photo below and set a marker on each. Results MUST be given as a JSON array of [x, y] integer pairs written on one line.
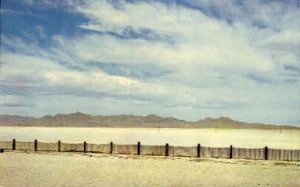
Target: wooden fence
[[156, 150]]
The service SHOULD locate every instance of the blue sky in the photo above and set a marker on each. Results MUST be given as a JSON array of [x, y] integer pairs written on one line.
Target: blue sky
[[181, 58]]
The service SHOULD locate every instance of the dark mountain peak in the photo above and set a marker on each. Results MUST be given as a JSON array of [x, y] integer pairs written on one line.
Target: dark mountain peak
[[225, 118], [124, 116], [12, 116], [70, 114], [153, 116], [15, 119], [220, 119], [78, 114]]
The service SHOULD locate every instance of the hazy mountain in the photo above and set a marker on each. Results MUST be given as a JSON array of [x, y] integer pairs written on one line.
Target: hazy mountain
[[15, 120], [84, 120]]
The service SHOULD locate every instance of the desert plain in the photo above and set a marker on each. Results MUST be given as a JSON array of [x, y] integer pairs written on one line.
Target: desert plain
[[74, 169], [86, 169]]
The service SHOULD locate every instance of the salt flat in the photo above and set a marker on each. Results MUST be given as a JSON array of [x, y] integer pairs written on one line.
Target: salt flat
[[248, 138], [71, 169]]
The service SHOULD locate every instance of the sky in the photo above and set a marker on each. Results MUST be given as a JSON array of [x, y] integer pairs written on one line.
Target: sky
[[180, 58]]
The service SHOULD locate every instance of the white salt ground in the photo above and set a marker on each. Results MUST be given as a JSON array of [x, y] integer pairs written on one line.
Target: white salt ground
[[72, 169]]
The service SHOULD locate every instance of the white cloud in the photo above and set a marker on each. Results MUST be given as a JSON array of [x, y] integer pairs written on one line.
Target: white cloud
[[14, 101], [199, 40], [39, 75], [209, 67], [277, 15], [288, 41]]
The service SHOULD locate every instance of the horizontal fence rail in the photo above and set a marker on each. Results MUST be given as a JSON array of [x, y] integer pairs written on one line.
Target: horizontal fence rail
[[199, 151]]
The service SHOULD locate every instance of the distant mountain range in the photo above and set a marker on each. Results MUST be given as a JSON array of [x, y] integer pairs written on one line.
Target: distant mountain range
[[84, 120]]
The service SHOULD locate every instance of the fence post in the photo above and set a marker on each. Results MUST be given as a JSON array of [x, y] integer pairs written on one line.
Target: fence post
[[35, 145], [266, 153], [230, 153], [58, 146], [167, 149], [14, 144], [138, 148], [198, 150], [84, 146], [111, 147]]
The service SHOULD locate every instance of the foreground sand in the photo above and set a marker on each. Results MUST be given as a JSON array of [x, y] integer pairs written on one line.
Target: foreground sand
[[72, 169]]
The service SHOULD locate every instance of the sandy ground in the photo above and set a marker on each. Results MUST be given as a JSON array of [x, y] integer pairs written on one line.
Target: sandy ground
[[74, 169]]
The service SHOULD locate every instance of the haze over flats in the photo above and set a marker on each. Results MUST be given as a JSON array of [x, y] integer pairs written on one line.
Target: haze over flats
[[178, 58]]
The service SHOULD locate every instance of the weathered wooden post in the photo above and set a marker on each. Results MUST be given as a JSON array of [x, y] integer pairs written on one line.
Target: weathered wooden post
[[58, 146], [266, 153], [198, 150], [14, 144], [84, 147], [230, 152], [167, 149], [111, 147], [139, 148], [35, 145]]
